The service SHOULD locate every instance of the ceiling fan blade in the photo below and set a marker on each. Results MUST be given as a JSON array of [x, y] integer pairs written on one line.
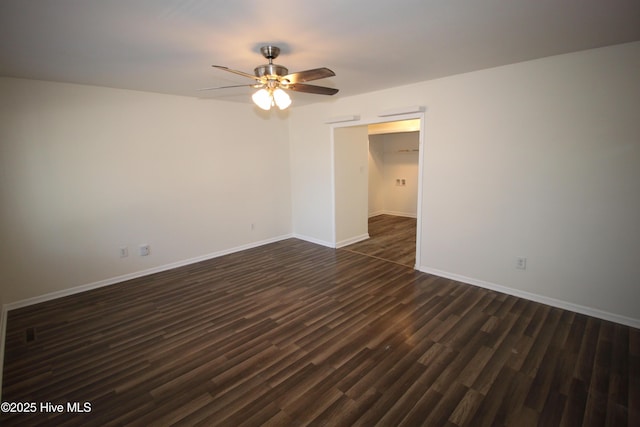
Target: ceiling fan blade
[[240, 73], [225, 87], [309, 75], [318, 90]]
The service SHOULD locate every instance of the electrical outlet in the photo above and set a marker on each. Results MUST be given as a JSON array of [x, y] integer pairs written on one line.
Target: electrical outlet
[[145, 250], [124, 252], [521, 263]]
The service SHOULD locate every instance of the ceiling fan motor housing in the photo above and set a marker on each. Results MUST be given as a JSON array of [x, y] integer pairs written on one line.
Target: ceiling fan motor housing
[[270, 70]]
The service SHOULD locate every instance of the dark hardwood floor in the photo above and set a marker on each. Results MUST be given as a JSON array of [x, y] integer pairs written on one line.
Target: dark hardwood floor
[[293, 333], [392, 238]]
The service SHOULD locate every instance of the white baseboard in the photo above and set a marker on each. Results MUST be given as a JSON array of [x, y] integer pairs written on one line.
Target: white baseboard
[[352, 240], [635, 323], [394, 213], [404, 214], [135, 275], [565, 305], [313, 240], [113, 281]]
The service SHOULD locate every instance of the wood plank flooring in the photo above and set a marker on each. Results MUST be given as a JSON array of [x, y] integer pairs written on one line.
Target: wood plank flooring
[[392, 238], [293, 333]]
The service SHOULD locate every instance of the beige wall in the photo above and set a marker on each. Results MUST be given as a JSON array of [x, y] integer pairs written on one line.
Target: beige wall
[[87, 170], [376, 177], [351, 147], [539, 159]]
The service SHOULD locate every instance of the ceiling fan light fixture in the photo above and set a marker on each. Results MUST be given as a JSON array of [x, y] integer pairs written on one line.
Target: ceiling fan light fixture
[[273, 81], [266, 98], [263, 99], [282, 98]]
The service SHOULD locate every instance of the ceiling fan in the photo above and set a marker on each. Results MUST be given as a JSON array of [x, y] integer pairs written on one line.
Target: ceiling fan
[[272, 80]]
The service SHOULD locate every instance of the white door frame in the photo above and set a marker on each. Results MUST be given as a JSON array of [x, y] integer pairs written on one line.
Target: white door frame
[[394, 118]]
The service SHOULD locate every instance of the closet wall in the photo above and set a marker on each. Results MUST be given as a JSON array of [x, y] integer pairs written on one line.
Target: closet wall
[[393, 174]]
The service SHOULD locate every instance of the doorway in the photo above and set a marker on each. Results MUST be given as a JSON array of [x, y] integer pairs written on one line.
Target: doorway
[[366, 220]]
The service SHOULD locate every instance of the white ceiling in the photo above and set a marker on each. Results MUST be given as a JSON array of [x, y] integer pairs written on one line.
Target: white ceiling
[[168, 46]]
